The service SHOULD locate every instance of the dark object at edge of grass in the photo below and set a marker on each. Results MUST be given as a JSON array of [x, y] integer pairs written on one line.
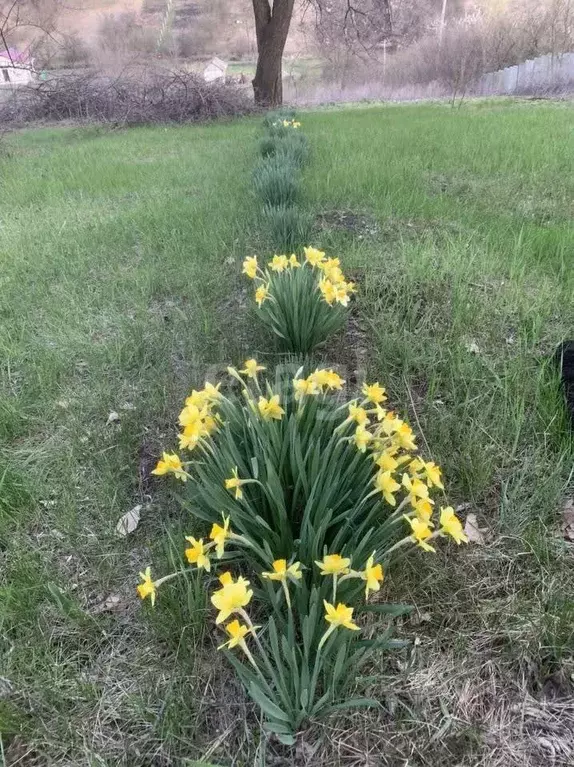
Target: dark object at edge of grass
[[564, 357]]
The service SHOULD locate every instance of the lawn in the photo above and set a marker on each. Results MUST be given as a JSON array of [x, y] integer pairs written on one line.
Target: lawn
[[121, 289]]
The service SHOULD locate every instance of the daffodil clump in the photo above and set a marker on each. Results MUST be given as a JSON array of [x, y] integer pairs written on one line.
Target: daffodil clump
[[294, 124], [303, 301], [308, 499], [281, 121]]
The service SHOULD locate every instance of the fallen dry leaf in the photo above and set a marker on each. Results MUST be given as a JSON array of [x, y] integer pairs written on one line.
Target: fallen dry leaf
[[472, 347], [472, 530], [128, 522], [568, 520], [113, 417], [417, 618], [113, 602]]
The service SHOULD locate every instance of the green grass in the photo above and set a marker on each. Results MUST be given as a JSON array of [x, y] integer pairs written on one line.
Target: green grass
[[121, 289]]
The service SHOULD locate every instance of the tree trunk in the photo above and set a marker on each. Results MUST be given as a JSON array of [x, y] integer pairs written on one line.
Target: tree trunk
[[271, 28], [386, 17]]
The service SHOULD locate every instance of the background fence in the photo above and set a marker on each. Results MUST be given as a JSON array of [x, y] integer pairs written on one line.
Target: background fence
[[545, 74]]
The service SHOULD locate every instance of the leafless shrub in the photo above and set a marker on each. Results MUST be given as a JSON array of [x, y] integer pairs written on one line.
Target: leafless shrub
[[74, 51], [416, 52], [455, 62], [136, 97], [121, 33], [186, 45]]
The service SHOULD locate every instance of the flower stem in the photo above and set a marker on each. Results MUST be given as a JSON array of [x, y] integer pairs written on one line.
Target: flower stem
[[169, 577], [324, 638], [287, 596], [250, 657]]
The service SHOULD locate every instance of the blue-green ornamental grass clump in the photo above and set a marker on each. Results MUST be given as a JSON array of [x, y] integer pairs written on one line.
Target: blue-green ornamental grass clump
[[288, 226], [277, 180]]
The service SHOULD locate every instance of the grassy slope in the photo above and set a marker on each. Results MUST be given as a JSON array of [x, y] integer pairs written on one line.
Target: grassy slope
[[118, 252], [115, 250]]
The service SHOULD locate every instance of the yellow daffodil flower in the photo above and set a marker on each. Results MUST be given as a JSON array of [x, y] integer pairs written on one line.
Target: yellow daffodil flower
[[190, 437], [197, 399], [233, 596], [420, 532], [340, 616], [210, 424], [328, 291], [386, 462], [281, 571], [424, 511], [329, 263], [261, 294], [375, 393], [416, 466], [234, 483], [196, 554], [433, 474], [362, 437], [212, 392], [387, 485], [197, 423], [320, 377], [404, 436], [332, 272], [314, 256], [429, 470], [237, 633], [191, 416], [389, 423], [334, 564], [148, 587], [270, 408], [326, 379], [373, 575], [219, 535], [170, 463], [358, 414], [250, 267], [451, 525], [293, 262], [381, 412], [304, 386], [416, 489], [342, 294], [333, 381], [251, 368], [279, 263]]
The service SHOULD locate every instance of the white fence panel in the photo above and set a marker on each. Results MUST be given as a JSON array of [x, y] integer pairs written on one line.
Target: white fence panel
[[545, 73]]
